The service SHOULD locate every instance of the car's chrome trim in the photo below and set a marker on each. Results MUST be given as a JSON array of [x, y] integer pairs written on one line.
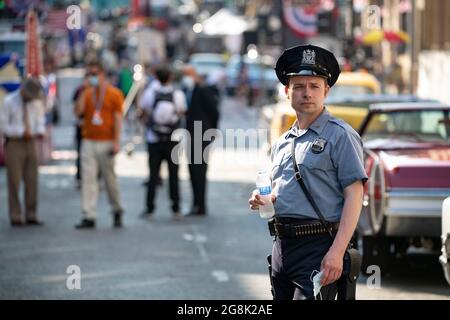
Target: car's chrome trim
[[415, 202]]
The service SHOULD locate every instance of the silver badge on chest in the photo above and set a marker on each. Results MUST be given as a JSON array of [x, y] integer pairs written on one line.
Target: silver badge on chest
[[318, 145]]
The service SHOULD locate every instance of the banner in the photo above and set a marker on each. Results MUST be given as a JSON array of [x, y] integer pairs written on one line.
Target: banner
[[301, 19], [33, 53]]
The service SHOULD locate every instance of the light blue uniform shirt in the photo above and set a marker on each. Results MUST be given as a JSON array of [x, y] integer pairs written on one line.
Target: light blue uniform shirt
[[326, 174]]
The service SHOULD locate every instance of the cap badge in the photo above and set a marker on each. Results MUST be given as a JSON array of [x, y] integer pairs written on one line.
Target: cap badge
[[309, 57], [318, 145]]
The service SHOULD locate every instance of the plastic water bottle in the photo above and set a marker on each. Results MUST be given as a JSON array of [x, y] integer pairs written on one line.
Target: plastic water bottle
[[264, 186]]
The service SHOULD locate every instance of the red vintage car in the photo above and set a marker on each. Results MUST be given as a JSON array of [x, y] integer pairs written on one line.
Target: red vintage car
[[407, 159]]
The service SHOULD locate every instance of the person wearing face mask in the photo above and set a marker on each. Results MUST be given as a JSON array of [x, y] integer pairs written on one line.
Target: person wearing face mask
[[317, 177], [163, 108], [147, 90], [22, 120], [101, 106], [202, 111]]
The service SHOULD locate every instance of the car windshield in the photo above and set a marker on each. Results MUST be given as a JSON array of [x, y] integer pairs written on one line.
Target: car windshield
[[206, 66], [430, 126]]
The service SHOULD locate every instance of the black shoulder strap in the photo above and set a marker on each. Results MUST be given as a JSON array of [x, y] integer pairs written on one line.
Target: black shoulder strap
[[300, 180]]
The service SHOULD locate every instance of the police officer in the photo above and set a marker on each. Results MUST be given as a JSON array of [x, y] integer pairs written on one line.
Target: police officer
[[329, 157]]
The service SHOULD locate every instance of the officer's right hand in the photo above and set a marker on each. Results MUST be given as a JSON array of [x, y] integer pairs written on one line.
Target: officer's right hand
[[255, 201]]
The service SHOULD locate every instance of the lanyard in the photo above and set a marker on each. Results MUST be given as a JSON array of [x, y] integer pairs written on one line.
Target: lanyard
[[98, 103]]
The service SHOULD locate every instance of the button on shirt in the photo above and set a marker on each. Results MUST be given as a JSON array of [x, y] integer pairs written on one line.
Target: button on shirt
[[12, 116], [326, 174]]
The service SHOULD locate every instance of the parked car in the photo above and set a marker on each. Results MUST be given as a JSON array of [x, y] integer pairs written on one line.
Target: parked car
[[444, 259], [353, 109], [280, 116], [355, 83], [407, 159], [256, 73], [207, 63], [211, 66], [348, 99]]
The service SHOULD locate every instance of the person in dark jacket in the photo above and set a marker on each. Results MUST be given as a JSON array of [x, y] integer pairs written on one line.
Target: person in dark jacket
[[202, 114]]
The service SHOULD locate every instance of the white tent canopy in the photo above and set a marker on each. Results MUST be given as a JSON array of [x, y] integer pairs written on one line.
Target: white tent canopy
[[223, 22]]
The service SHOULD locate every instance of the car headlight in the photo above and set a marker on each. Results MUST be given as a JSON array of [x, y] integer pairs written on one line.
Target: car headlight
[[446, 247]]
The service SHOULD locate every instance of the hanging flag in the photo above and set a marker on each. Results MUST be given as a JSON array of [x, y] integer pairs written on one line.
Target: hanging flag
[[301, 19], [33, 53]]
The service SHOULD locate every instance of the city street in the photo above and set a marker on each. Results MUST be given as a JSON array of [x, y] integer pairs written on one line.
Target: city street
[[220, 256]]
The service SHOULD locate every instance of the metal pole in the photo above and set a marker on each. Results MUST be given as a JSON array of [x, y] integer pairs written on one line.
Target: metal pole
[[412, 25]]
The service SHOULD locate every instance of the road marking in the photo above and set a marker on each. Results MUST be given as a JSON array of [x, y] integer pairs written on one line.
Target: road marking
[[91, 275], [199, 240], [188, 237], [58, 183], [220, 275], [140, 284]]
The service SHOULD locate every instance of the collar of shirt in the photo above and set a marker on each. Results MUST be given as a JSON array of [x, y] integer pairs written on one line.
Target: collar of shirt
[[316, 126]]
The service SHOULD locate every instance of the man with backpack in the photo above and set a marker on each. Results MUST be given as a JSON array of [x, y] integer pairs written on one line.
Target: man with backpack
[[163, 108]]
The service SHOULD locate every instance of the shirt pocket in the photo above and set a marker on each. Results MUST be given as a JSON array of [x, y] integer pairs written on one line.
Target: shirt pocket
[[316, 161]]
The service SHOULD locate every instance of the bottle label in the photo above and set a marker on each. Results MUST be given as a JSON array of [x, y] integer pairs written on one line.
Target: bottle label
[[265, 190]]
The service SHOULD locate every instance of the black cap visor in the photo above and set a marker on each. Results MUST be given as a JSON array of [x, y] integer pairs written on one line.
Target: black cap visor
[[311, 73], [308, 70]]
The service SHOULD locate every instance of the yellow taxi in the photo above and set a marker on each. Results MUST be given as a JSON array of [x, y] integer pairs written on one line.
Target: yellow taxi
[[280, 116]]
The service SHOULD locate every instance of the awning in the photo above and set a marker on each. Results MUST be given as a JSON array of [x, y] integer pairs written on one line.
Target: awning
[[376, 36], [224, 22]]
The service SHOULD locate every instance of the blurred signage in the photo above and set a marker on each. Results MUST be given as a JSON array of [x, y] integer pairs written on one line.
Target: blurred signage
[[301, 17], [33, 53], [56, 21]]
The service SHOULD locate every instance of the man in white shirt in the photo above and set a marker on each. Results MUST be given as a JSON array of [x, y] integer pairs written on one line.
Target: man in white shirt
[[163, 107], [22, 120]]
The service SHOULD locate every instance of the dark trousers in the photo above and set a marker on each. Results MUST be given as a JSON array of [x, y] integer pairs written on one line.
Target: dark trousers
[[78, 138], [157, 152], [197, 170], [293, 263], [198, 182]]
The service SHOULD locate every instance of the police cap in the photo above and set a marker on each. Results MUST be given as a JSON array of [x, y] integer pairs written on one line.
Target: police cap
[[307, 60]]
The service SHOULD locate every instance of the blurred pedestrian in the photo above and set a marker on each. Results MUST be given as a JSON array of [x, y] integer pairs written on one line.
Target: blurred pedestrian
[[395, 79], [22, 121], [148, 87], [102, 124], [77, 99], [125, 77], [203, 110], [163, 108]]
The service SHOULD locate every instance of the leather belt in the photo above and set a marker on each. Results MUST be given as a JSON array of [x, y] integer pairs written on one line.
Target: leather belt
[[299, 229]]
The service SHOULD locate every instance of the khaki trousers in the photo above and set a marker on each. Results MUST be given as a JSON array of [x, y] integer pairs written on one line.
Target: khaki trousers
[[22, 163], [96, 157]]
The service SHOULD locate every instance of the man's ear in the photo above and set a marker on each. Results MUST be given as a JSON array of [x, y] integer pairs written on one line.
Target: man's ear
[[327, 89], [286, 89]]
